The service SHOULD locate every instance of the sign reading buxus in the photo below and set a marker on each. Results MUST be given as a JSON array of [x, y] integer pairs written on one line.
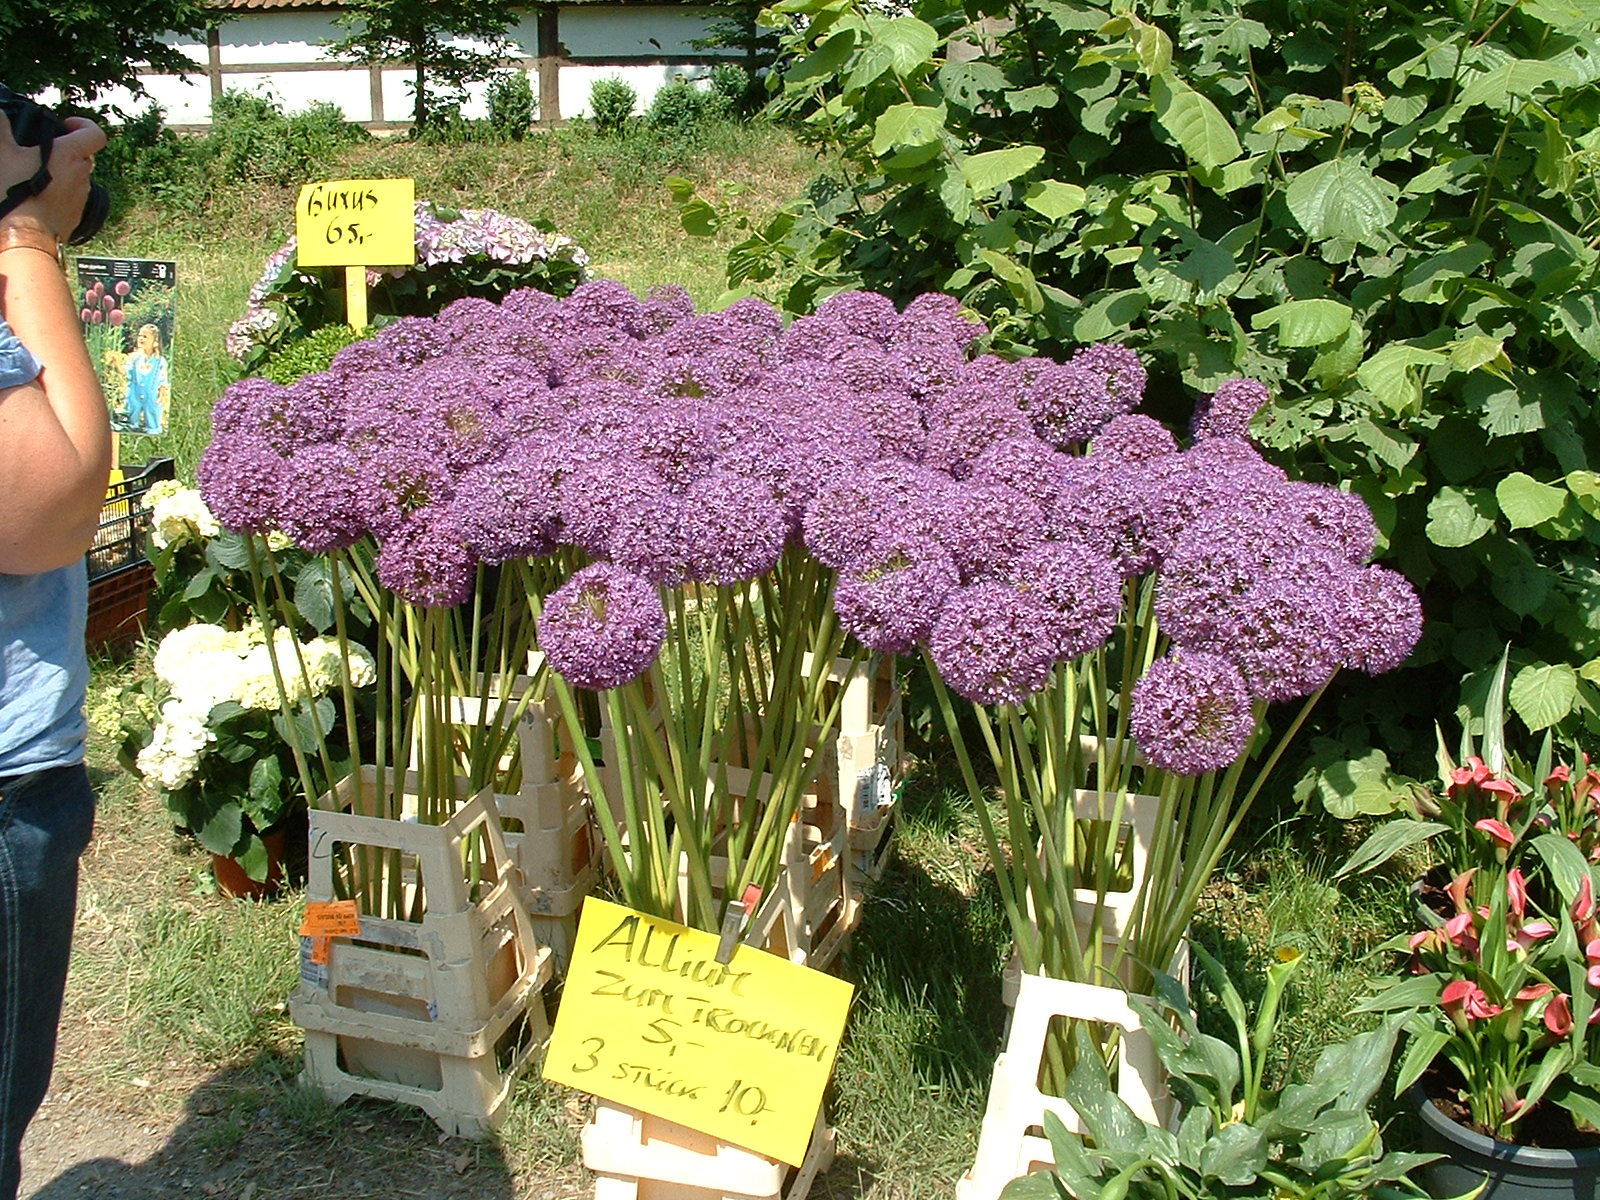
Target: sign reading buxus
[[650, 1019], [356, 222]]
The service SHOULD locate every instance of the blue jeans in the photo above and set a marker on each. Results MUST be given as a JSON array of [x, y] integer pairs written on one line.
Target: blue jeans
[[45, 822]]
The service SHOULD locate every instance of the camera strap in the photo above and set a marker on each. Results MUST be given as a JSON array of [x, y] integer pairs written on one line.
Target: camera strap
[[29, 188]]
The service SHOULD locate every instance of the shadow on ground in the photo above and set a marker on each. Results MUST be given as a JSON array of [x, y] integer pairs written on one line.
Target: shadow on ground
[[245, 1135]]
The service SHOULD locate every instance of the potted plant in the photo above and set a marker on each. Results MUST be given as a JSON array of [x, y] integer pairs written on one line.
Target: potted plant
[[212, 732], [1499, 998], [1239, 1134]]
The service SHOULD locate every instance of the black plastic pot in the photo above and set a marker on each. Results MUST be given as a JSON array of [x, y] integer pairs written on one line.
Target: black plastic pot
[[1506, 1171]]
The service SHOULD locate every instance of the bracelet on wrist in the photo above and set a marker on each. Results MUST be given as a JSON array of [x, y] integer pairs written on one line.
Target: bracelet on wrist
[[23, 237]]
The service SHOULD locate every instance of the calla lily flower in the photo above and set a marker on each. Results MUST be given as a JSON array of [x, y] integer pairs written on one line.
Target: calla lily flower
[[1498, 830], [1558, 1014], [1468, 999]]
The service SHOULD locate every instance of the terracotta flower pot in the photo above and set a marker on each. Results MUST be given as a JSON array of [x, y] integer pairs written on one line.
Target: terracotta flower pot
[[234, 882], [1506, 1171]]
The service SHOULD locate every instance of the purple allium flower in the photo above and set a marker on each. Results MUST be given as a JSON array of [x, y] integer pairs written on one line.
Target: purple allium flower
[[601, 304], [842, 322], [240, 408], [648, 538], [934, 319], [957, 437], [603, 627], [985, 526], [529, 303], [661, 309], [1026, 463], [993, 644], [851, 509], [1219, 557], [322, 498], [412, 340], [505, 510], [1282, 632], [1068, 404], [1230, 409], [401, 478], [423, 561], [1119, 368], [240, 477], [1191, 714], [594, 489], [1326, 520], [1134, 437], [733, 528], [1079, 590], [892, 604], [1131, 512], [1379, 620], [755, 313]]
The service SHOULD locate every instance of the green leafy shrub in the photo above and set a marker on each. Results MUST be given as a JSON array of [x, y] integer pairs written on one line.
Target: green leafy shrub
[[143, 157], [309, 354], [1388, 213], [680, 107], [611, 103], [739, 91], [511, 105], [252, 140]]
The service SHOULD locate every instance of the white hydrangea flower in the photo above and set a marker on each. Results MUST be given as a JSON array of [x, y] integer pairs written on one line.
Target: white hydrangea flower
[[363, 670], [176, 745], [179, 516], [255, 686], [180, 647]]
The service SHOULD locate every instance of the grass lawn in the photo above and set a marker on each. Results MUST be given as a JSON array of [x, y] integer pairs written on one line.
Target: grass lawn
[[176, 1020]]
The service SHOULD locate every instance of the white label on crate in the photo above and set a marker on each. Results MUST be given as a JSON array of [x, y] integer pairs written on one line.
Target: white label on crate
[[313, 973], [874, 790]]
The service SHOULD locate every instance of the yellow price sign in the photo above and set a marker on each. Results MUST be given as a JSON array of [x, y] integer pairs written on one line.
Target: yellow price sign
[[651, 1020], [356, 223]]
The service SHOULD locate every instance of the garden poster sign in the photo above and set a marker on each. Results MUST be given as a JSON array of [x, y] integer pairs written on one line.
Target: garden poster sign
[[128, 308], [650, 1019]]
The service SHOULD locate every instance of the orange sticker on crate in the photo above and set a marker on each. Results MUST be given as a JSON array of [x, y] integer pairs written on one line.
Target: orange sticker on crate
[[331, 919]]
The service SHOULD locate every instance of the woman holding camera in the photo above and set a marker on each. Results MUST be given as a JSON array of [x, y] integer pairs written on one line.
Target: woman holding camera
[[55, 455]]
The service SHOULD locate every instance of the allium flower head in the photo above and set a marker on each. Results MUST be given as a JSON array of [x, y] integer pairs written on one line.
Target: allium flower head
[[422, 560], [1379, 619], [993, 643], [733, 528], [850, 510], [1192, 714], [1230, 409], [985, 526], [964, 431], [936, 320], [1134, 437], [323, 499], [504, 510], [603, 627], [1078, 589], [1283, 632], [891, 599], [239, 477], [1026, 463]]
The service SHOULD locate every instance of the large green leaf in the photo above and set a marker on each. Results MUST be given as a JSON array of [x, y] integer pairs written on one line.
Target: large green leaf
[[1340, 198], [1235, 1155], [1109, 316], [1510, 83], [907, 125], [1195, 124], [1388, 375], [1459, 516], [1585, 488], [1387, 840], [1306, 322], [1054, 200], [313, 594], [1543, 694], [990, 170], [910, 42], [1526, 502], [222, 832]]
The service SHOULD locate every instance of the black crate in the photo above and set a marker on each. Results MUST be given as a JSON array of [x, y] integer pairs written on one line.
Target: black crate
[[119, 542]]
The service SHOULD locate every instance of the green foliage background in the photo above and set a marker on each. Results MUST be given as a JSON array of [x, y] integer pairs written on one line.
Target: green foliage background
[[1388, 213]]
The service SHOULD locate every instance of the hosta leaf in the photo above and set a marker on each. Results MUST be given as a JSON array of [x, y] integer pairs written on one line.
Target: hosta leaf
[[988, 171], [1195, 124], [1054, 200], [1459, 516], [1306, 322], [1526, 502], [907, 125], [1340, 198], [1543, 694]]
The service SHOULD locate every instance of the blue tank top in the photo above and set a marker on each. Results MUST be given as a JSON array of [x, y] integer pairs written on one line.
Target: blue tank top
[[44, 668]]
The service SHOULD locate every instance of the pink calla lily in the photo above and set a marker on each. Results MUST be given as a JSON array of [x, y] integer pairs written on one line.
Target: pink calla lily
[[1468, 999], [1558, 1015], [1498, 830]]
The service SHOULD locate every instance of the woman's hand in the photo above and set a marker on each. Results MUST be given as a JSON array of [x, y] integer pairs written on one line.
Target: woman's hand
[[58, 209]]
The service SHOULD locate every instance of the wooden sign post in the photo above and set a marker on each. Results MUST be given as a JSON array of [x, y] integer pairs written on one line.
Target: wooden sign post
[[356, 224], [740, 1050]]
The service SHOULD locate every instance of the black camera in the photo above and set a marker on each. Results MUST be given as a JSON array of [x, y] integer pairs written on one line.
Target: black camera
[[34, 125]]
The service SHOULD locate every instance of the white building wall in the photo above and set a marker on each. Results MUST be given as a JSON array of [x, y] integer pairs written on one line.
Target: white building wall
[[607, 36]]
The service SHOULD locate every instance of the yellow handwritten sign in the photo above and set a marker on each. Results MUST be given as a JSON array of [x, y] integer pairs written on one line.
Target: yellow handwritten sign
[[651, 1020], [356, 223]]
